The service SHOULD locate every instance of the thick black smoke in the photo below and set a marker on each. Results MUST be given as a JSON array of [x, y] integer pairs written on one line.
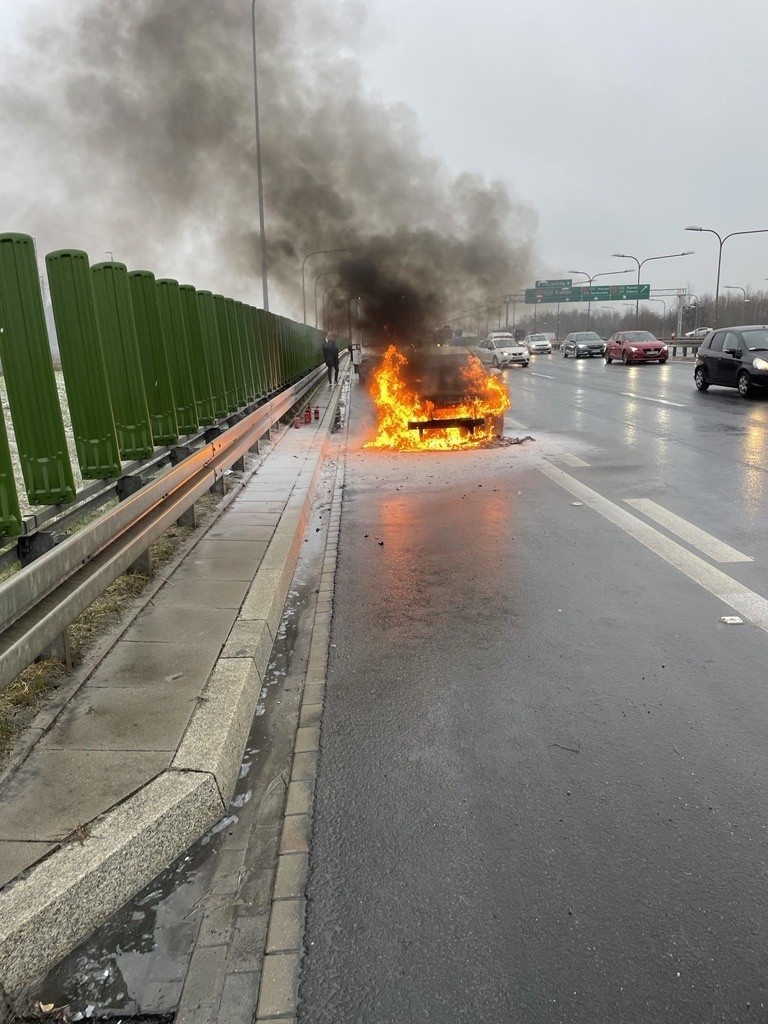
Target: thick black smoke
[[129, 128]]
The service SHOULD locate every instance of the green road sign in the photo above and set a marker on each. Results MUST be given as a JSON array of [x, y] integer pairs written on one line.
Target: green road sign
[[583, 293], [565, 282]]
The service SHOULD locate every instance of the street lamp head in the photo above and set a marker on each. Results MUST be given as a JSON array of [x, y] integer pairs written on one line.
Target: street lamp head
[[689, 253], [694, 228], [621, 255]]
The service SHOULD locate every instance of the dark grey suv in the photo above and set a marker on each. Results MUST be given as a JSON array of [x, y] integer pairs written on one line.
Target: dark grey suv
[[736, 357]]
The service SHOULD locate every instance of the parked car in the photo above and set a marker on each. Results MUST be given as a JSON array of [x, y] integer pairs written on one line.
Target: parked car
[[538, 343], [699, 332], [635, 347], [502, 351], [735, 357], [583, 343]]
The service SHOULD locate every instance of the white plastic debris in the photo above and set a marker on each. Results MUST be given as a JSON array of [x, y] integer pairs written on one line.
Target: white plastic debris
[[732, 620]]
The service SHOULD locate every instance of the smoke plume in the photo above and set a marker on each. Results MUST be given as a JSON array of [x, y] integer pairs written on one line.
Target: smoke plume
[[129, 129]]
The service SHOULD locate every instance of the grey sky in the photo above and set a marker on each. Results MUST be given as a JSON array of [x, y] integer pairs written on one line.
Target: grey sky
[[620, 122], [616, 123]]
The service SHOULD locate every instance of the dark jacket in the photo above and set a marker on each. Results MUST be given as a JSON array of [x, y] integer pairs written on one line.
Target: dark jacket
[[330, 353]]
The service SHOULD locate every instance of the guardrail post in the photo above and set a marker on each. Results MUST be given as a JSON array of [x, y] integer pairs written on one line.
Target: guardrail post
[[29, 547], [126, 486], [177, 455]]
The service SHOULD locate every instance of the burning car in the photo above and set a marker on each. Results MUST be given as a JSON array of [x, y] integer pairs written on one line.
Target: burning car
[[436, 397]]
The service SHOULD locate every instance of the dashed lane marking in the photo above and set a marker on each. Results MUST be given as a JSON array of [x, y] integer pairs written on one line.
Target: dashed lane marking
[[548, 377], [658, 401], [746, 602], [705, 542]]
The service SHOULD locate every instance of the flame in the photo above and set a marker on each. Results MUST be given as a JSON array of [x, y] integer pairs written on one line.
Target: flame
[[398, 405]]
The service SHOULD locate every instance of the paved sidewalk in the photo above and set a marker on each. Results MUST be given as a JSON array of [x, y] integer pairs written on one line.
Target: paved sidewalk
[[145, 756]]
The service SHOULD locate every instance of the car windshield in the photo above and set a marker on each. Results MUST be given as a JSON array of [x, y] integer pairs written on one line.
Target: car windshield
[[538, 337], [639, 336], [588, 336], [756, 341]]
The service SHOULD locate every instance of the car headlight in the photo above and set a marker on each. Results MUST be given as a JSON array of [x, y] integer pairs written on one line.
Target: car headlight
[[760, 364], [632, 348], [583, 347]]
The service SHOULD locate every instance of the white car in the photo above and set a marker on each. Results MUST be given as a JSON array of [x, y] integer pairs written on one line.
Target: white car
[[501, 350], [700, 332], [538, 343]]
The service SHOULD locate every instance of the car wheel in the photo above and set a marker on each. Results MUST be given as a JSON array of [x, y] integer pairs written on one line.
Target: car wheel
[[700, 378], [624, 358], [525, 363], [565, 354], [608, 359], [744, 384], [662, 360], [496, 362]]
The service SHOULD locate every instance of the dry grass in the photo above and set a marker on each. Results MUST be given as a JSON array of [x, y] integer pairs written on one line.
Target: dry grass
[[37, 685]]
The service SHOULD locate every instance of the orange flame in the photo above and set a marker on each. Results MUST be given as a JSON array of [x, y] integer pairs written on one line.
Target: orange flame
[[398, 405]]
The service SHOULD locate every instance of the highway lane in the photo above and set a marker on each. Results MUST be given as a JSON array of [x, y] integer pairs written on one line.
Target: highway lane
[[709, 458], [542, 793]]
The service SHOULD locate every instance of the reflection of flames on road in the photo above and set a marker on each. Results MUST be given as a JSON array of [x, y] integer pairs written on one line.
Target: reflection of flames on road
[[410, 415]]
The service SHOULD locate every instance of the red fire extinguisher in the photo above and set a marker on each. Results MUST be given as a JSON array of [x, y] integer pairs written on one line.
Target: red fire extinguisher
[[308, 414]]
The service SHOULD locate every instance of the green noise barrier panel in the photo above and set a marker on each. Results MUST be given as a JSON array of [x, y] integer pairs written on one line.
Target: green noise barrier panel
[[82, 362], [10, 515], [199, 363], [259, 354], [246, 345], [212, 346], [228, 358], [114, 314], [237, 352], [25, 354], [152, 357], [172, 319]]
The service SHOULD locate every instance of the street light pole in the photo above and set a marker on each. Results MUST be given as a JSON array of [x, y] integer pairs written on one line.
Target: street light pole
[[744, 299], [325, 273], [663, 304], [264, 286], [606, 273], [626, 256], [315, 252], [722, 241]]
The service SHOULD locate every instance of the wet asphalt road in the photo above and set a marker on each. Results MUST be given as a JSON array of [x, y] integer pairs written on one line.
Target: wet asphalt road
[[542, 787]]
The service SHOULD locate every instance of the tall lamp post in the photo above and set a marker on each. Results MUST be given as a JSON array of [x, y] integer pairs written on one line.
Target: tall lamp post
[[664, 318], [265, 288], [744, 299], [319, 277], [722, 240], [315, 252], [627, 256], [606, 273]]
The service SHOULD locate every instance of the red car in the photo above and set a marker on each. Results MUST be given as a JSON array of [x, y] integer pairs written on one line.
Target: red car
[[635, 347]]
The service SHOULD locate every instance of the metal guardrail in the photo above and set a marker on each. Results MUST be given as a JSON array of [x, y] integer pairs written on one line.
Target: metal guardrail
[[41, 600]]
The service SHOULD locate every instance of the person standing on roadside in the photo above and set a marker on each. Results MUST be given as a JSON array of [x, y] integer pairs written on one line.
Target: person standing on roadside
[[331, 356]]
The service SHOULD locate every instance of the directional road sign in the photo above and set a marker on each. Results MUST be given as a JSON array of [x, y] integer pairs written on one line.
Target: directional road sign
[[583, 293]]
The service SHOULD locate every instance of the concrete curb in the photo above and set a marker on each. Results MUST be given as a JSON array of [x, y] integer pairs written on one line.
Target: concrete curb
[[61, 900]]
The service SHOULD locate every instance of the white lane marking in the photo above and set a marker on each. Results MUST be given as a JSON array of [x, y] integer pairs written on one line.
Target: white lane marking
[[659, 401], [534, 374], [744, 601], [570, 460], [705, 542]]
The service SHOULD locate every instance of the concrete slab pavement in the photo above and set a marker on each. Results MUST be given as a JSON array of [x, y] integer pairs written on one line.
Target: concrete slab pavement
[[144, 757]]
